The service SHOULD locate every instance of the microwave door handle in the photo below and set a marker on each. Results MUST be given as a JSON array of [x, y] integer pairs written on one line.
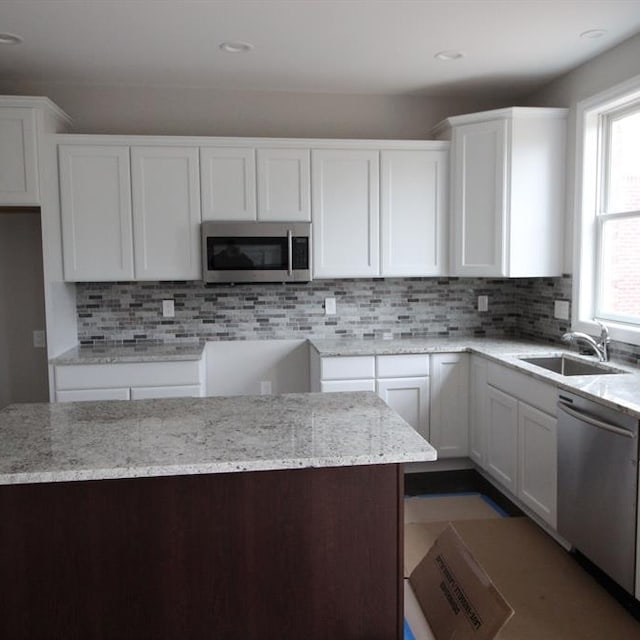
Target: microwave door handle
[[290, 252]]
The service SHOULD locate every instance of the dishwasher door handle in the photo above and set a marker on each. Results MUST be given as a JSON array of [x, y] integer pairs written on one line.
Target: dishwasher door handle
[[593, 421]]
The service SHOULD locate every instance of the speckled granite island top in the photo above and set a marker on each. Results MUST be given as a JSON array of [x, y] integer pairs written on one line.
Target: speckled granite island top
[[101, 440], [140, 352]]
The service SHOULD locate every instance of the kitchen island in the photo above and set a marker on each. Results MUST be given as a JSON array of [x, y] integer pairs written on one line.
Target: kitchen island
[[244, 517]]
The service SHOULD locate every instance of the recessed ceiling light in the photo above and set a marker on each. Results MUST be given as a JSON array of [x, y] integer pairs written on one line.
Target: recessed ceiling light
[[10, 38], [593, 34], [236, 46], [449, 54]]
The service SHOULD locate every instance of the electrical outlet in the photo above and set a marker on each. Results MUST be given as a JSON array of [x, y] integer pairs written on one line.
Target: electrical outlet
[[265, 388], [39, 339], [483, 303], [168, 309], [561, 309], [329, 306]]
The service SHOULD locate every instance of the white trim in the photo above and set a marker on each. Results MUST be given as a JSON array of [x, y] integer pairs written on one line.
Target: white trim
[[586, 198], [212, 141]]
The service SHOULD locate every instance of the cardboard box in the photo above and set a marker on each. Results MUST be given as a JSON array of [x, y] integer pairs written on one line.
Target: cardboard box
[[449, 595]]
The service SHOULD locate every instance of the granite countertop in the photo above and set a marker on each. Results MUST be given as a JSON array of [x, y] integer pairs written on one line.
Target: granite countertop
[[109, 353], [122, 439], [620, 392]]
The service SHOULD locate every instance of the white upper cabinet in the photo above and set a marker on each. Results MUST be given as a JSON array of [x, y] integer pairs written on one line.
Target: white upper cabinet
[[166, 213], [345, 208], [95, 194], [284, 185], [228, 177], [508, 192], [18, 157], [413, 212]]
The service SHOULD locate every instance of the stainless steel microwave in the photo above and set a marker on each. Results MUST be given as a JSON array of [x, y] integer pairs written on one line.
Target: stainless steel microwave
[[256, 251]]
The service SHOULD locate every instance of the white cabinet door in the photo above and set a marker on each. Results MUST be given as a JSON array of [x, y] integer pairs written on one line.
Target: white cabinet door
[[166, 213], [413, 212], [85, 395], [449, 404], [502, 438], [538, 461], [479, 154], [228, 177], [187, 391], [18, 157], [284, 185], [95, 195], [410, 398], [478, 410], [345, 213]]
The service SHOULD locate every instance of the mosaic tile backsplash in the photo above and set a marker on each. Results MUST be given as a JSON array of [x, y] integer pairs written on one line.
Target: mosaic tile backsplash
[[366, 308]]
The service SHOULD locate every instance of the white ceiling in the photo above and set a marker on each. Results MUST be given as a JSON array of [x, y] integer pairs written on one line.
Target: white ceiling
[[345, 46]]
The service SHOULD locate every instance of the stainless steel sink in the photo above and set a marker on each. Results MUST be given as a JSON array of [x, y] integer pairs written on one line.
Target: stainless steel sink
[[567, 366]]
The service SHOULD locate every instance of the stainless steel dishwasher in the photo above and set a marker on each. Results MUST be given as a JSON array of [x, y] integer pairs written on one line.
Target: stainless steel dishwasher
[[598, 485]]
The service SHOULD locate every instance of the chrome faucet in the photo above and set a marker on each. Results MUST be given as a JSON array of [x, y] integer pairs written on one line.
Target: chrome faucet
[[599, 347]]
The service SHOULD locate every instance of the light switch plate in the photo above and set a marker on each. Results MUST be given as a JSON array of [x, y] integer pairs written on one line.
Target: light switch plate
[[483, 303], [168, 309], [329, 306], [39, 339], [561, 309]]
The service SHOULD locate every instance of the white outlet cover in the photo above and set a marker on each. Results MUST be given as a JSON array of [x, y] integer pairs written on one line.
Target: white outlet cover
[[330, 307], [561, 309], [168, 309], [483, 303]]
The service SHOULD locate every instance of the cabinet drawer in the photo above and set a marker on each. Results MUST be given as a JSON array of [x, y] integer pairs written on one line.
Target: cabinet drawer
[[131, 374], [348, 385], [348, 368], [534, 392], [83, 395], [403, 366], [184, 391]]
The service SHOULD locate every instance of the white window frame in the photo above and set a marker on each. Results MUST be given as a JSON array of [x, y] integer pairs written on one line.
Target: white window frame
[[589, 114]]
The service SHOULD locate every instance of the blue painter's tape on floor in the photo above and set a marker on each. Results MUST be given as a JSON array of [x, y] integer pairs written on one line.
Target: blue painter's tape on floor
[[408, 634], [494, 506], [501, 512]]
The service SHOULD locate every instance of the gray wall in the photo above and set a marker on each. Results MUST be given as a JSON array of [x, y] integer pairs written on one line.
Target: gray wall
[[23, 368], [612, 67], [192, 111]]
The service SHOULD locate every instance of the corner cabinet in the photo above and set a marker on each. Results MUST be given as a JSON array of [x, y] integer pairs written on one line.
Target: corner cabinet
[[507, 191]]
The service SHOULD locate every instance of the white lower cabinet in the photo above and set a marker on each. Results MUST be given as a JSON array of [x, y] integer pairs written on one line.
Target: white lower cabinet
[[521, 439], [81, 395], [502, 438], [450, 404], [129, 381], [478, 409], [402, 381], [410, 398], [538, 461]]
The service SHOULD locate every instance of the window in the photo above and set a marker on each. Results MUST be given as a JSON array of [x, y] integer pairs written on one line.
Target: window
[[618, 221], [607, 269]]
